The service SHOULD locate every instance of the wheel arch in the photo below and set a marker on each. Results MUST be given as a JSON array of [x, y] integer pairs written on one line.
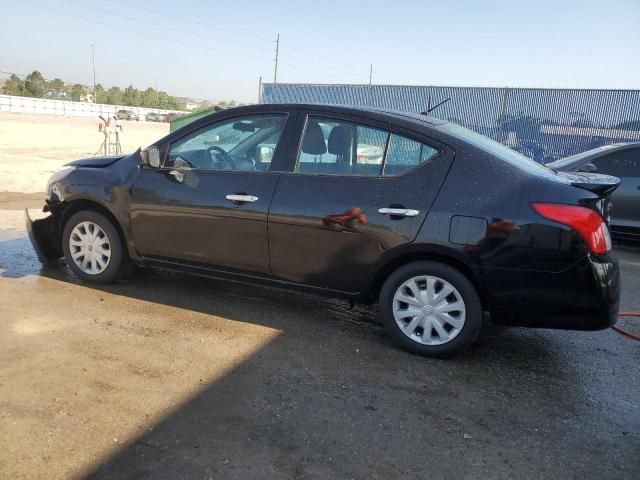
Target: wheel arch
[[77, 204], [400, 257]]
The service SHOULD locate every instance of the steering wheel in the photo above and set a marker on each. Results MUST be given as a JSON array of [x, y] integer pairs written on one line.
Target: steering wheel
[[180, 162], [225, 159]]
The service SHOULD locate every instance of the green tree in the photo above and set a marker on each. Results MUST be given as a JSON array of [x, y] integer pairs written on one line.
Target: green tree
[[132, 96], [77, 93], [13, 86], [114, 96], [55, 88], [168, 102], [101, 94], [149, 98], [34, 85]]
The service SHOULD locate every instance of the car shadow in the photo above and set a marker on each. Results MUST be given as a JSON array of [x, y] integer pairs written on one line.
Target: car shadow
[[332, 397]]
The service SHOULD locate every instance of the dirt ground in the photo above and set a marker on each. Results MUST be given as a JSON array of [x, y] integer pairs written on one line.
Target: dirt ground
[[32, 147], [166, 376]]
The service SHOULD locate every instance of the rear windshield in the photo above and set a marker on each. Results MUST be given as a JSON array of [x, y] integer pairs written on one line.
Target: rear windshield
[[497, 149]]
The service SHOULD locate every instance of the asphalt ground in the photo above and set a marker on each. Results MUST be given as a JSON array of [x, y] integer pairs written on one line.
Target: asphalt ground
[[169, 376]]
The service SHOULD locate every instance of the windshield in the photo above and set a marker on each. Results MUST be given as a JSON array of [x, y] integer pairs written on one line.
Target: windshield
[[497, 149]]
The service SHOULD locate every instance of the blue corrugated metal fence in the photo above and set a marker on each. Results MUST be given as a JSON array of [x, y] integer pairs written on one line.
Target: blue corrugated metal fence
[[545, 124]]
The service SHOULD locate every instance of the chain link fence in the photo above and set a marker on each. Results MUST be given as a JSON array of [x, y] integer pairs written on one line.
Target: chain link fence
[[544, 124]]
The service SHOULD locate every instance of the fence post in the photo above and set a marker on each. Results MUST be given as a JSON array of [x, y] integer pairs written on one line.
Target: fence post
[[503, 112]]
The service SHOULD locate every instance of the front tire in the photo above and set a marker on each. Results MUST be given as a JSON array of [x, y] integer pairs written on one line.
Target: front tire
[[430, 308], [92, 247]]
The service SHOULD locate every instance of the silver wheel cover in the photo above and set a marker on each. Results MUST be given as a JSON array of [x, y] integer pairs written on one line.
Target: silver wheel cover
[[429, 310], [90, 248]]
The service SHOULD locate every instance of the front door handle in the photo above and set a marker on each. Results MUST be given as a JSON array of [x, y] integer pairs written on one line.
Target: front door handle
[[399, 212], [242, 198]]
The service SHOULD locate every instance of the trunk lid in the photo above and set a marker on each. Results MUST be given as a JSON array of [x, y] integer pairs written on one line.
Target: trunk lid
[[601, 185]]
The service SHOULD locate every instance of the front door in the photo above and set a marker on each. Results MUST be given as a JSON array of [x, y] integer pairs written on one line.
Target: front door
[[209, 201], [356, 191]]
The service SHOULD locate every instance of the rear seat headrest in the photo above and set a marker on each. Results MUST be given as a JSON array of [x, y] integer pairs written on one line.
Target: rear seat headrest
[[340, 139], [314, 143]]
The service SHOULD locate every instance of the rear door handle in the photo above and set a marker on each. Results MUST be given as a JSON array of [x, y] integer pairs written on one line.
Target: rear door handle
[[242, 198], [399, 212]]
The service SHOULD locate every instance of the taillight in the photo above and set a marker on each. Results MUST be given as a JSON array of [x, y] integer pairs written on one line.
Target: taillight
[[588, 223]]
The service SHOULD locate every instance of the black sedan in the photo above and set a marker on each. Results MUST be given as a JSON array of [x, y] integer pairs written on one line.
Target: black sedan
[[442, 226], [620, 160]]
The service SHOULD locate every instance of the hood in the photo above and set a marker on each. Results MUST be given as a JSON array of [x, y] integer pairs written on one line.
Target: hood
[[96, 162]]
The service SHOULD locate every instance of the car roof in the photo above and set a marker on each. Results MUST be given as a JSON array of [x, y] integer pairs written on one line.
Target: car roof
[[348, 109]]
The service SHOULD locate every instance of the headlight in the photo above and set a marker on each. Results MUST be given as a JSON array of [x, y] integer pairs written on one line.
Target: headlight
[[53, 190]]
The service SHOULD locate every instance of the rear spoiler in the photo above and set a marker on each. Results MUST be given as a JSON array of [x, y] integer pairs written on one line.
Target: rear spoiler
[[602, 185]]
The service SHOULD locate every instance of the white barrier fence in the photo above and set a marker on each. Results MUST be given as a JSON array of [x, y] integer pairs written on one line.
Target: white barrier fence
[[43, 106]]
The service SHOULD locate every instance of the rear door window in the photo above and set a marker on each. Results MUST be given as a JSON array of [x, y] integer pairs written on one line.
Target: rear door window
[[620, 164], [338, 147], [404, 154]]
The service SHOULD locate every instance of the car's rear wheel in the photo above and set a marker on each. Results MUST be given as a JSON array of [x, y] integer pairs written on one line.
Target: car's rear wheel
[[92, 247], [431, 308]]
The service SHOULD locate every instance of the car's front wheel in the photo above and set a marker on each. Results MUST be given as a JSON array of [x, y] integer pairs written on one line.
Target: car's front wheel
[[92, 247], [430, 308]]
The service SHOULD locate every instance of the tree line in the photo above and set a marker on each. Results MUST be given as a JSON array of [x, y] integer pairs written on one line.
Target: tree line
[[36, 86]]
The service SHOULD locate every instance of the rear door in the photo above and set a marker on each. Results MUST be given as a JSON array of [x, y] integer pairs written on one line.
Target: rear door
[[356, 189], [208, 203], [625, 211]]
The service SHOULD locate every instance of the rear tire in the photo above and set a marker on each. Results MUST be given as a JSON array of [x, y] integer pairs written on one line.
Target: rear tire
[[92, 247], [430, 308]]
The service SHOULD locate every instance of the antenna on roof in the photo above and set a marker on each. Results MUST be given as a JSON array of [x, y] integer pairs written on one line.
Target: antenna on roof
[[430, 108]]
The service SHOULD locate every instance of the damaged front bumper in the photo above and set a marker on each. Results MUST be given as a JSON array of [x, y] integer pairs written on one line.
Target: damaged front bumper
[[43, 236]]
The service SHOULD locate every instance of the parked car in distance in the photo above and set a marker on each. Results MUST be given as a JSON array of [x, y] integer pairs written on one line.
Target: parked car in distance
[[447, 228], [127, 115], [169, 117], [621, 160], [154, 117]]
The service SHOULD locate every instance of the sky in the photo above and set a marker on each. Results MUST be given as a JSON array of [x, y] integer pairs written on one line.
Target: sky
[[218, 50]]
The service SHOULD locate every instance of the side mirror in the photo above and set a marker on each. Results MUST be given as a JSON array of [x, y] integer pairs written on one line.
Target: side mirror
[[265, 154], [588, 168], [151, 157]]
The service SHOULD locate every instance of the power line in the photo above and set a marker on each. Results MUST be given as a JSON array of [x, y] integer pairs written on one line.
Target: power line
[[361, 70], [170, 40], [195, 22], [327, 59], [184, 32], [323, 66], [146, 35], [25, 75]]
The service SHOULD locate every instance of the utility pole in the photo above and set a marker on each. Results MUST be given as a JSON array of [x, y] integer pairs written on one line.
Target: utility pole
[[156, 92], [93, 61], [275, 71], [370, 82]]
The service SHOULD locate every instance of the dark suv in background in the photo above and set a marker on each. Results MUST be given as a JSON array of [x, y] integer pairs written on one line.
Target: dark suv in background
[[438, 224], [127, 115]]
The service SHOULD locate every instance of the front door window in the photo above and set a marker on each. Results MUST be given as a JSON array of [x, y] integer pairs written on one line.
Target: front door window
[[241, 143]]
